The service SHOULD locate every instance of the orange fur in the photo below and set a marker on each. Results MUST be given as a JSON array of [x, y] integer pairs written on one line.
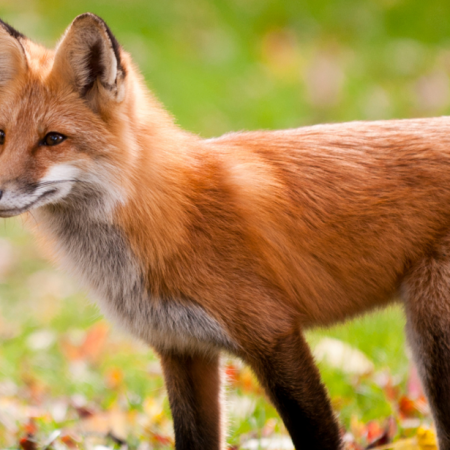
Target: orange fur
[[265, 233]]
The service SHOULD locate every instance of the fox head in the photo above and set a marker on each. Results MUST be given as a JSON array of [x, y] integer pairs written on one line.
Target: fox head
[[67, 117]]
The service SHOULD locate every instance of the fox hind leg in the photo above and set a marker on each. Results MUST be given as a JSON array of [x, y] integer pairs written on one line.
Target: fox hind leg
[[292, 382], [427, 305]]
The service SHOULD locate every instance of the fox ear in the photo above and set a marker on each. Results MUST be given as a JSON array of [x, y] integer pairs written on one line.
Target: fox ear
[[88, 56], [13, 61]]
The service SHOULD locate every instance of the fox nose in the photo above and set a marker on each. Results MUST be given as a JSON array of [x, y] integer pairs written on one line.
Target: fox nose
[[1, 194]]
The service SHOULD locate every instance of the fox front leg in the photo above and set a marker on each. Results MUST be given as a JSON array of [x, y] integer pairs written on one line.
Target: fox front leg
[[194, 386]]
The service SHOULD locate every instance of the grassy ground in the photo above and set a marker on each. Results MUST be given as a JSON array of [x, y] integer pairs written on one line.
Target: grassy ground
[[218, 66]]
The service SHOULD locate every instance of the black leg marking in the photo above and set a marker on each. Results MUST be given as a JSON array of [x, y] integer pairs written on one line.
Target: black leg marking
[[193, 384], [293, 384]]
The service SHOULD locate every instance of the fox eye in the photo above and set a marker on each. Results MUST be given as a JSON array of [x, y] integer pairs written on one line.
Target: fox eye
[[2, 137], [51, 139]]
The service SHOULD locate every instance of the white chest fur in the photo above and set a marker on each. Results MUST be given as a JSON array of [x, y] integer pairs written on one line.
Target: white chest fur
[[98, 254]]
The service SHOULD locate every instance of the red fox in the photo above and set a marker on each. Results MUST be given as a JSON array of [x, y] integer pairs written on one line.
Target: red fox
[[235, 244]]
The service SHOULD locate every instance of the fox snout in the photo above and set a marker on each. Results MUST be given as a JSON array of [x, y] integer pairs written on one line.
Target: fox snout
[[17, 198], [20, 196]]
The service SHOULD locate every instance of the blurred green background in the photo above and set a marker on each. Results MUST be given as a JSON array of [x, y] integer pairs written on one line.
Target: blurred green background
[[217, 66]]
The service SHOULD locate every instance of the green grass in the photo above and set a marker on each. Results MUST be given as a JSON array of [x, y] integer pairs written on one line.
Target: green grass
[[379, 336], [218, 66]]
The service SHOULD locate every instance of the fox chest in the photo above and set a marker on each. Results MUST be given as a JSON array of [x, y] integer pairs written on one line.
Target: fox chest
[[100, 257]]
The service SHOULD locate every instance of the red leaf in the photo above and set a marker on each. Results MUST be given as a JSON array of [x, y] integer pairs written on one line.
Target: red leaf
[[407, 407], [373, 431], [31, 427], [160, 439], [69, 441], [380, 440], [28, 442]]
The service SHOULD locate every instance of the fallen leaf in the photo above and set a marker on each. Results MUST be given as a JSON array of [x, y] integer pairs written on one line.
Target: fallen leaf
[[407, 407], [28, 442], [426, 438], [70, 441], [157, 438]]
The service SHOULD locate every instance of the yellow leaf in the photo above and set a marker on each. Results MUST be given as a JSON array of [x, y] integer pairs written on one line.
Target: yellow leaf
[[402, 444], [426, 439], [153, 409]]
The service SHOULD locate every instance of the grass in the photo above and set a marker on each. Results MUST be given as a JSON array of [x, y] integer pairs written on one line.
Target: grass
[[218, 66]]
